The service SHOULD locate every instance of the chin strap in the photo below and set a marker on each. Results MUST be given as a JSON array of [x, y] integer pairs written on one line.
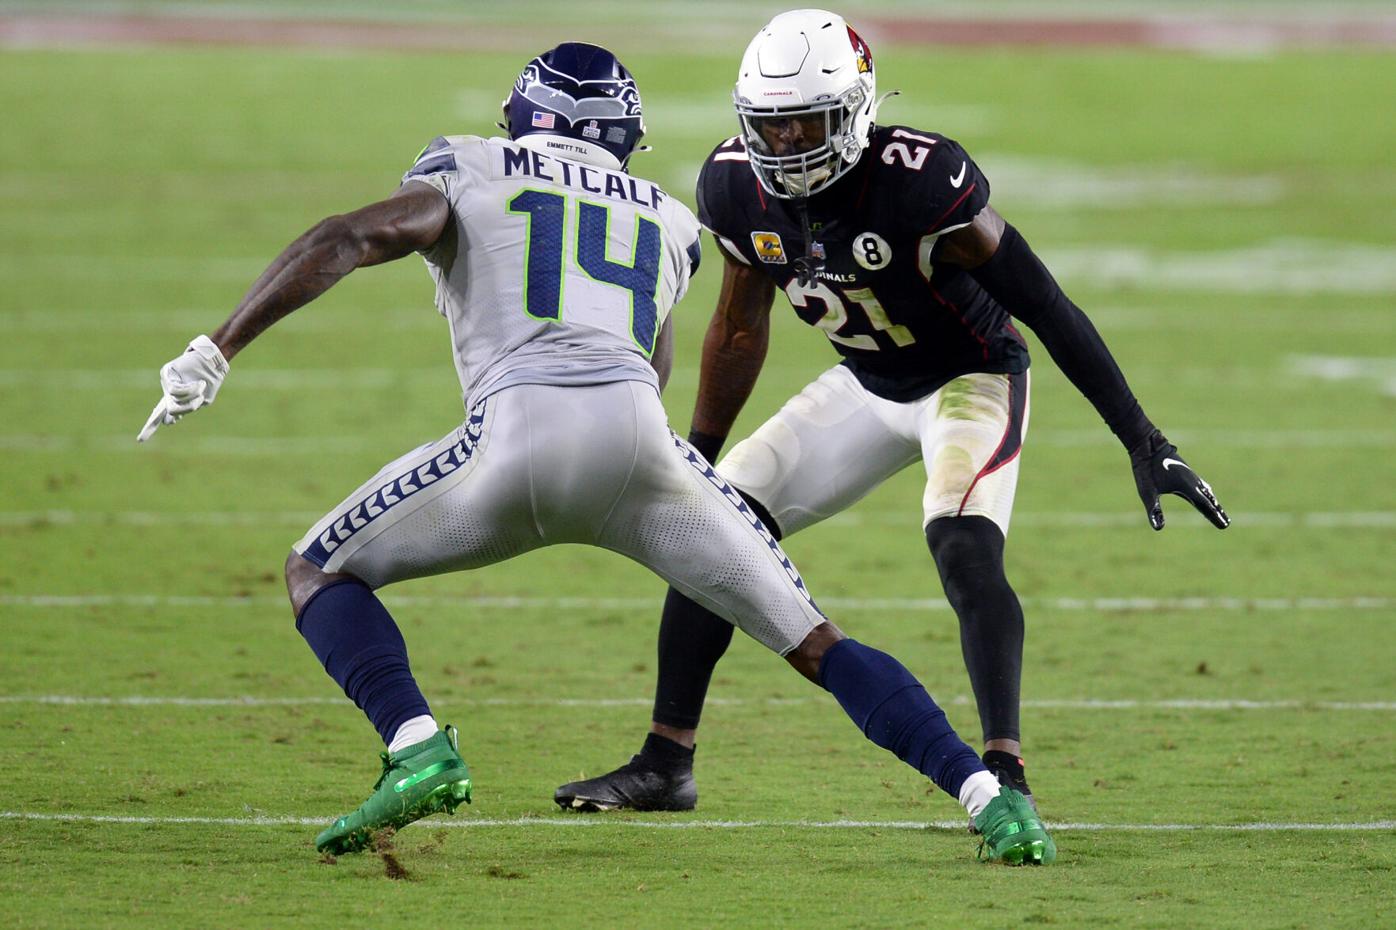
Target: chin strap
[[807, 266]]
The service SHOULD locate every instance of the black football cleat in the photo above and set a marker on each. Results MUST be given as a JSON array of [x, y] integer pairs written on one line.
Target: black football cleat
[[634, 786]]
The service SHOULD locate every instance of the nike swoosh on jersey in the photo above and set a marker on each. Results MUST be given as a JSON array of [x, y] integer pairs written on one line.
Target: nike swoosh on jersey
[[959, 179], [1167, 463]]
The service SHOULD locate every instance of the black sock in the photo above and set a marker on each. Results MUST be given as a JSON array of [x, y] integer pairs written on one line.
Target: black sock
[[691, 640], [664, 755], [997, 759], [1007, 765], [968, 552]]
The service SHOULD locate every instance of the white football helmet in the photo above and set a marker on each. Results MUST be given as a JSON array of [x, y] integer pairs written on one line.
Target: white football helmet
[[806, 98]]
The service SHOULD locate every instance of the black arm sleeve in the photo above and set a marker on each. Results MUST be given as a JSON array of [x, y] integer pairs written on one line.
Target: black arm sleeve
[[1018, 280]]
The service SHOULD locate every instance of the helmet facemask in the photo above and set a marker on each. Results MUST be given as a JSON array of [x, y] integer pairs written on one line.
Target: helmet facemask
[[805, 97], [832, 153]]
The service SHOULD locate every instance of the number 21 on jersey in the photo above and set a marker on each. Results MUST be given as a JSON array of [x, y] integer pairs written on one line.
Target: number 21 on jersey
[[545, 262], [837, 305]]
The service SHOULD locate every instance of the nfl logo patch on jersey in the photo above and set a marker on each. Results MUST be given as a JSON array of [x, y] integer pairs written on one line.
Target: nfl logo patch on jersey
[[768, 247]]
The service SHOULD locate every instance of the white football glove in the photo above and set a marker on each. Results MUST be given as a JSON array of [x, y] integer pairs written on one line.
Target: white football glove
[[190, 381]]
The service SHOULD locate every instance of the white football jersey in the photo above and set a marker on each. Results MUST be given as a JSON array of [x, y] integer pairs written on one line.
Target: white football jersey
[[551, 271]]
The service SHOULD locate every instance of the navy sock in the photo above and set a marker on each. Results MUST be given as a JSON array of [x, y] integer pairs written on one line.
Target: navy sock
[[355, 638], [894, 711]]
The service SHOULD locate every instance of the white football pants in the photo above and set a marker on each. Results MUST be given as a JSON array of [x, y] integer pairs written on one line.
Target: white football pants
[[835, 441], [535, 465]]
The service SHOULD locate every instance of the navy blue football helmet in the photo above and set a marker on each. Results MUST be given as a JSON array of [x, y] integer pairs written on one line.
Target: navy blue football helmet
[[580, 92]]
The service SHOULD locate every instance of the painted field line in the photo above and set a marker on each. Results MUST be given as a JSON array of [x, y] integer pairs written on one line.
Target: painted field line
[[264, 379], [140, 700], [1241, 520], [875, 604], [183, 321], [1271, 377], [382, 447], [957, 826]]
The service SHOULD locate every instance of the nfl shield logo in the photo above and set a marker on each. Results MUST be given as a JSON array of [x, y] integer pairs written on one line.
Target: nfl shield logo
[[817, 249], [591, 130], [542, 120]]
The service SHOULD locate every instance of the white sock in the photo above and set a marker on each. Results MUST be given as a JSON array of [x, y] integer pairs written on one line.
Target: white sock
[[977, 791], [414, 731]]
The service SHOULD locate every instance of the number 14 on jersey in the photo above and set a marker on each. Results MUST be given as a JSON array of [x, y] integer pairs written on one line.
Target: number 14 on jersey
[[545, 261]]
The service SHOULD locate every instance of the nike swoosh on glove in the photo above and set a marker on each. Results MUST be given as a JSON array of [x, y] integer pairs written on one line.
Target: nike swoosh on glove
[[1158, 469]]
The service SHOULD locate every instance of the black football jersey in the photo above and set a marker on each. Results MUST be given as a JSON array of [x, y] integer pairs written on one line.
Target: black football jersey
[[904, 322]]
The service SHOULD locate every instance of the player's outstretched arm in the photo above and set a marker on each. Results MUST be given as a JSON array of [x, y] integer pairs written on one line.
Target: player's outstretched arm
[[734, 350], [410, 220], [1005, 266]]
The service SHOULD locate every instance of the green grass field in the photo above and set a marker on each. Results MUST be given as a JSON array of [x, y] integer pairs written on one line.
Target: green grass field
[[1209, 716]]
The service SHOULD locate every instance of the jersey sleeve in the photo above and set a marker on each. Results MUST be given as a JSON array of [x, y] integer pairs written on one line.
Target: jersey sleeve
[[435, 165], [688, 237], [717, 198]]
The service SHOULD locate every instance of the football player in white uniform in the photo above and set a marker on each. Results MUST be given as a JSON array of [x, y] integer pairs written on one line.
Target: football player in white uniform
[[556, 270], [884, 238]]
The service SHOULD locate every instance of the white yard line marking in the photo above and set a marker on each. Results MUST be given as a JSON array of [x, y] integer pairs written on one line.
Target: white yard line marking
[[185, 321], [1048, 183], [303, 519], [887, 604], [264, 379], [1241, 520], [1266, 376], [382, 446], [604, 821], [1379, 372], [182, 322], [1378, 320], [1280, 266], [140, 700]]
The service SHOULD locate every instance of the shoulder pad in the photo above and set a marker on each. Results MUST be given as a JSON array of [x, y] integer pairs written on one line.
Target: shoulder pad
[[723, 184], [943, 187], [436, 156]]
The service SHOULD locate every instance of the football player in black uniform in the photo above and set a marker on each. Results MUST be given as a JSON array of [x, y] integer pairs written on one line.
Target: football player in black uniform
[[883, 237]]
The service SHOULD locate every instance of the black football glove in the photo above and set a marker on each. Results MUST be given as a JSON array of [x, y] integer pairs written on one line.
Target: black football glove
[[1158, 469]]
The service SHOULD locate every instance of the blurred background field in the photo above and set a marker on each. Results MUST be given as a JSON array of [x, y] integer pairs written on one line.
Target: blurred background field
[[1209, 716]]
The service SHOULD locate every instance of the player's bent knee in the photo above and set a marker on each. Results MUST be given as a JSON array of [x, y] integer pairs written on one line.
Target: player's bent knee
[[304, 579], [972, 540], [806, 657]]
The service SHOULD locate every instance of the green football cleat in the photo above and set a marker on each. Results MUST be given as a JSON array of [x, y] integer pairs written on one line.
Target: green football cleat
[[1011, 833], [418, 781]]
